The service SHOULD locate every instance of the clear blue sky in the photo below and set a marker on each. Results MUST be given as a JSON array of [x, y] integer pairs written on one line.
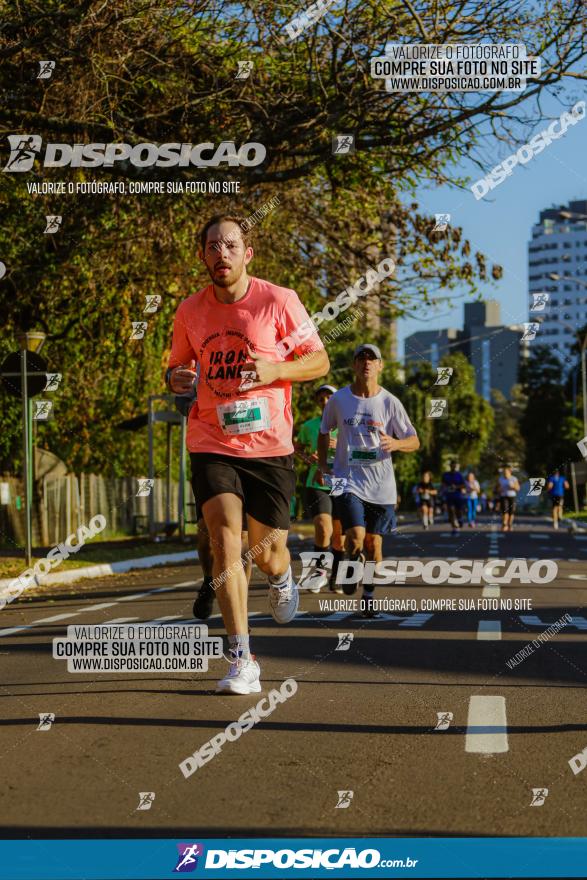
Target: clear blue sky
[[500, 225]]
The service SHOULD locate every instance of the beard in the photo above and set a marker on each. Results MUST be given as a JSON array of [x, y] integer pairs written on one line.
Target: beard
[[226, 280]]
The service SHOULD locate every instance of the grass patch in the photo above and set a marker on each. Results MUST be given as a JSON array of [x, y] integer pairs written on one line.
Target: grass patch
[[97, 552]]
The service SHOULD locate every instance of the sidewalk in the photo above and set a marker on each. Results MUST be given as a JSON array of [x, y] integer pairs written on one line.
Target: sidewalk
[[75, 567]]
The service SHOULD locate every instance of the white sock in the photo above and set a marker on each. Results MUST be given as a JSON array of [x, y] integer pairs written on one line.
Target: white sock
[[280, 580], [240, 645]]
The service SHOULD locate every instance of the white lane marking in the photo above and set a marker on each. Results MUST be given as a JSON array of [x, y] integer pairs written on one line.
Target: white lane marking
[[577, 577], [531, 620], [16, 629], [99, 607], [381, 616], [150, 592], [489, 630], [163, 619], [120, 620], [417, 620], [43, 621], [57, 617], [260, 615], [491, 591], [486, 726], [534, 620]]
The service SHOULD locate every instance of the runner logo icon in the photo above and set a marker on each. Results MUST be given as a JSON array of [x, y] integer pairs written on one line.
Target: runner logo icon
[[444, 719], [539, 795], [536, 485], [344, 800], [316, 565], [344, 641], [23, 150], [188, 857]]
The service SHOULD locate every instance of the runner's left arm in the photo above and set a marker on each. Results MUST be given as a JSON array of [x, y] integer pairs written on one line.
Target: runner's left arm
[[313, 365], [311, 358], [402, 435]]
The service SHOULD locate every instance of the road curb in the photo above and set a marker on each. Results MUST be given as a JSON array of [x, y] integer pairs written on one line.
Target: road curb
[[108, 568]]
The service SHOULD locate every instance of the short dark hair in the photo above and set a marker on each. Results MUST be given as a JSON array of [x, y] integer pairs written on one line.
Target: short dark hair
[[229, 218]]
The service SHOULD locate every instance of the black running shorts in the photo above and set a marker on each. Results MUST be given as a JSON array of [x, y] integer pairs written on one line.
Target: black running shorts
[[316, 501], [508, 505], [264, 485]]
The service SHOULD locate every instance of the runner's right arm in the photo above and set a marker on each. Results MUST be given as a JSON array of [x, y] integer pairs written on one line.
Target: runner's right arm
[[329, 422], [180, 373]]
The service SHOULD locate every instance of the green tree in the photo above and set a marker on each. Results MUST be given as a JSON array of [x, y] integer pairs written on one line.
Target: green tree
[[507, 444], [147, 71], [466, 431], [550, 430]]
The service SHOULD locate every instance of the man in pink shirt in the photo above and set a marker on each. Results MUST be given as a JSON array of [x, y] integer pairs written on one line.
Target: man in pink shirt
[[240, 433]]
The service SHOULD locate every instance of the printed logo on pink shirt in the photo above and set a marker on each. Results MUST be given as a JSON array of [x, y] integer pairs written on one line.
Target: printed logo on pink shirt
[[224, 356]]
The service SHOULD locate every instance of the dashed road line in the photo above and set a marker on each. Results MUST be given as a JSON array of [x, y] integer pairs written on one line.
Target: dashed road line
[[417, 620], [486, 726], [339, 615], [70, 614], [489, 630], [491, 591]]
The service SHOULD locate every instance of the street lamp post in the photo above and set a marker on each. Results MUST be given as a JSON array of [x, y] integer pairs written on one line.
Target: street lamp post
[[30, 341]]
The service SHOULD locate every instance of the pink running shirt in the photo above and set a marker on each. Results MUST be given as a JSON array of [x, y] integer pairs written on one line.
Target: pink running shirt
[[216, 336]]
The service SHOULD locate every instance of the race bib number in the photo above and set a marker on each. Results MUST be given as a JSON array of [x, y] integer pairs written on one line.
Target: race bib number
[[244, 416], [363, 455]]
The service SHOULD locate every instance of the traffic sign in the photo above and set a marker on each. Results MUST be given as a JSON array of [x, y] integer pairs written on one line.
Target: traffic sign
[[36, 373]]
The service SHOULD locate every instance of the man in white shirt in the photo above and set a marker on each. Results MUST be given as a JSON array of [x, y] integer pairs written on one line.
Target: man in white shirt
[[371, 424]]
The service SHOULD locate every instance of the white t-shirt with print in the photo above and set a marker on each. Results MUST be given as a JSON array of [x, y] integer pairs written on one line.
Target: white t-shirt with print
[[359, 457]]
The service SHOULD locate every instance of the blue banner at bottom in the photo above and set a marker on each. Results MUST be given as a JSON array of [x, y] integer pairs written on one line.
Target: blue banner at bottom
[[273, 858]]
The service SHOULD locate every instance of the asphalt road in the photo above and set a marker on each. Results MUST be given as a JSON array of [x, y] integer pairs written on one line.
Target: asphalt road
[[363, 719]]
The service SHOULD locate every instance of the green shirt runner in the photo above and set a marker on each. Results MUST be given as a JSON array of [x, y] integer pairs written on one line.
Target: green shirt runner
[[308, 435]]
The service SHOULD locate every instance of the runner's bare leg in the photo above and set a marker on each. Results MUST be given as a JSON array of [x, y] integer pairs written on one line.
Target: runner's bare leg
[[269, 547], [223, 515]]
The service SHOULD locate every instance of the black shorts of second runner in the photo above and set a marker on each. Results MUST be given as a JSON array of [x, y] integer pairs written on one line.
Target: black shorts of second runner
[[557, 500], [316, 501], [264, 485], [508, 505], [376, 519]]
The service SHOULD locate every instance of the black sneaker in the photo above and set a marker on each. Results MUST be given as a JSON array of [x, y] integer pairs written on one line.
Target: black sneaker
[[368, 607], [204, 600], [351, 588]]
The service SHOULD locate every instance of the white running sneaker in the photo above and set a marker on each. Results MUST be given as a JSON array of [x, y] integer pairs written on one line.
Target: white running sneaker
[[241, 678], [314, 581], [284, 601]]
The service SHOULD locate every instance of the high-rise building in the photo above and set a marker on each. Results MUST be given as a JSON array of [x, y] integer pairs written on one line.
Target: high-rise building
[[557, 265], [430, 345], [494, 350]]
